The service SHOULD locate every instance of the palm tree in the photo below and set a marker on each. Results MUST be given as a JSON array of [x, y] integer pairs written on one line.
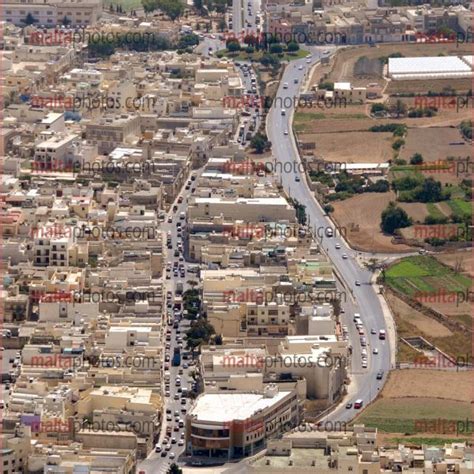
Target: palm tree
[[174, 469], [30, 19]]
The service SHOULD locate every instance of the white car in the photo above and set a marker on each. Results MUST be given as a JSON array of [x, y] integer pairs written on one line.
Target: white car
[[338, 246], [357, 283], [300, 68], [308, 61], [375, 351], [286, 132], [181, 442], [364, 364], [172, 455], [326, 52], [344, 256]]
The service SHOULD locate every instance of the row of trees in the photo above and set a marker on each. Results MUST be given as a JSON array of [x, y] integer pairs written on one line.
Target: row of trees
[[173, 9]]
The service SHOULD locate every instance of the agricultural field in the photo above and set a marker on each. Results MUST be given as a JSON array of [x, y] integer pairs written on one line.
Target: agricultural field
[[404, 400], [410, 322], [435, 144], [127, 5], [343, 68], [365, 210], [462, 262], [429, 282], [351, 147], [405, 415], [424, 274]]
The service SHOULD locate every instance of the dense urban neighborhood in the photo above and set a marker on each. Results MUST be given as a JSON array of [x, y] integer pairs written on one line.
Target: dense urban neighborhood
[[236, 237]]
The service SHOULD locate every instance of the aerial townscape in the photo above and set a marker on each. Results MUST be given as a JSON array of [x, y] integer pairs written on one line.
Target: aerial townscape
[[236, 237]]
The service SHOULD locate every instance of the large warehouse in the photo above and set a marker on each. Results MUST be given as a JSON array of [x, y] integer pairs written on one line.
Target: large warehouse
[[430, 67]]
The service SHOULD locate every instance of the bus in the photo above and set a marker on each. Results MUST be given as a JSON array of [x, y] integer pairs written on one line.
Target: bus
[[176, 361], [382, 334]]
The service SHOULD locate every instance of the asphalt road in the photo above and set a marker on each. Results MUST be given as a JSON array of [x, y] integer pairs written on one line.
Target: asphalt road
[[155, 463], [364, 384]]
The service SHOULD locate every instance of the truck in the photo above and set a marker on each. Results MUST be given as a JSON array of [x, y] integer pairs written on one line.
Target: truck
[[179, 289], [176, 361]]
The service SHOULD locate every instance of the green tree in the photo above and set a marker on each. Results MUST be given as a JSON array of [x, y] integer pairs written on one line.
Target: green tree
[[233, 46], [394, 218], [250, 50], [416, 159], [222, 25], [199, 333], [431, 191], [260, 143], [30, 20], [292, 47], [276, 48], [376, 108], [399, 108], [149, 5], [198, 5], [172, 9], [270, 60], [174, 469], [218, 340], [328, 208]]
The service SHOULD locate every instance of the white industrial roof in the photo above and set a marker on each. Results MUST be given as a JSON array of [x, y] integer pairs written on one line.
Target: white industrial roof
[[226, 407], [427, 65]]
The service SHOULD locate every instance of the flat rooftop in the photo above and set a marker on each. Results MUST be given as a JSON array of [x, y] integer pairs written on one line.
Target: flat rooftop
[[226, 407]]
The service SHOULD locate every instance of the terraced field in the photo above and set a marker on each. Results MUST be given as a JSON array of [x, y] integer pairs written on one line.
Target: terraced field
[[425, 275]]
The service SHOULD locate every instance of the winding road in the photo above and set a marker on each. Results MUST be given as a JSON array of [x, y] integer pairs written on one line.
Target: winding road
[[364, 384]]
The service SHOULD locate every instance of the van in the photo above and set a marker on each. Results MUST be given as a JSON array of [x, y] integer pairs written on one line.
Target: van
[[382, 334], [358, 404]]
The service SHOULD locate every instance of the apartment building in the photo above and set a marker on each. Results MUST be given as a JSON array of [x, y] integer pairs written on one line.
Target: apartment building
[[57, 153], [109, 132], [53, 12], [344, 449], [250, 210], [233, 425]]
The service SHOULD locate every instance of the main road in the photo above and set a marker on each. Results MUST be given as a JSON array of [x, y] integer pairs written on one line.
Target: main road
[[364, 384]]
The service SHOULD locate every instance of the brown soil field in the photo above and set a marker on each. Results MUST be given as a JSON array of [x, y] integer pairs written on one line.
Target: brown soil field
[[447, 385], [352, 147], [331, 125], [364, 210], [422, 86], [434, 144], [448, 113], [443, 206], [345, 60], [462, 261], [411, 322], [416, 210], [424, 323]]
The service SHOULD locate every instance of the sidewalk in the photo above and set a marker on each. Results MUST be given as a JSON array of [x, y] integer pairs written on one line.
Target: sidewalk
[[389, 321]]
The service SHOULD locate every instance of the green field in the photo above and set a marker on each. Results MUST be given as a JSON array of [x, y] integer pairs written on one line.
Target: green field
[[256, 56], [407, 415], [127, 5], [428, 441], [460, 208], [434, 211], [424, 274]]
